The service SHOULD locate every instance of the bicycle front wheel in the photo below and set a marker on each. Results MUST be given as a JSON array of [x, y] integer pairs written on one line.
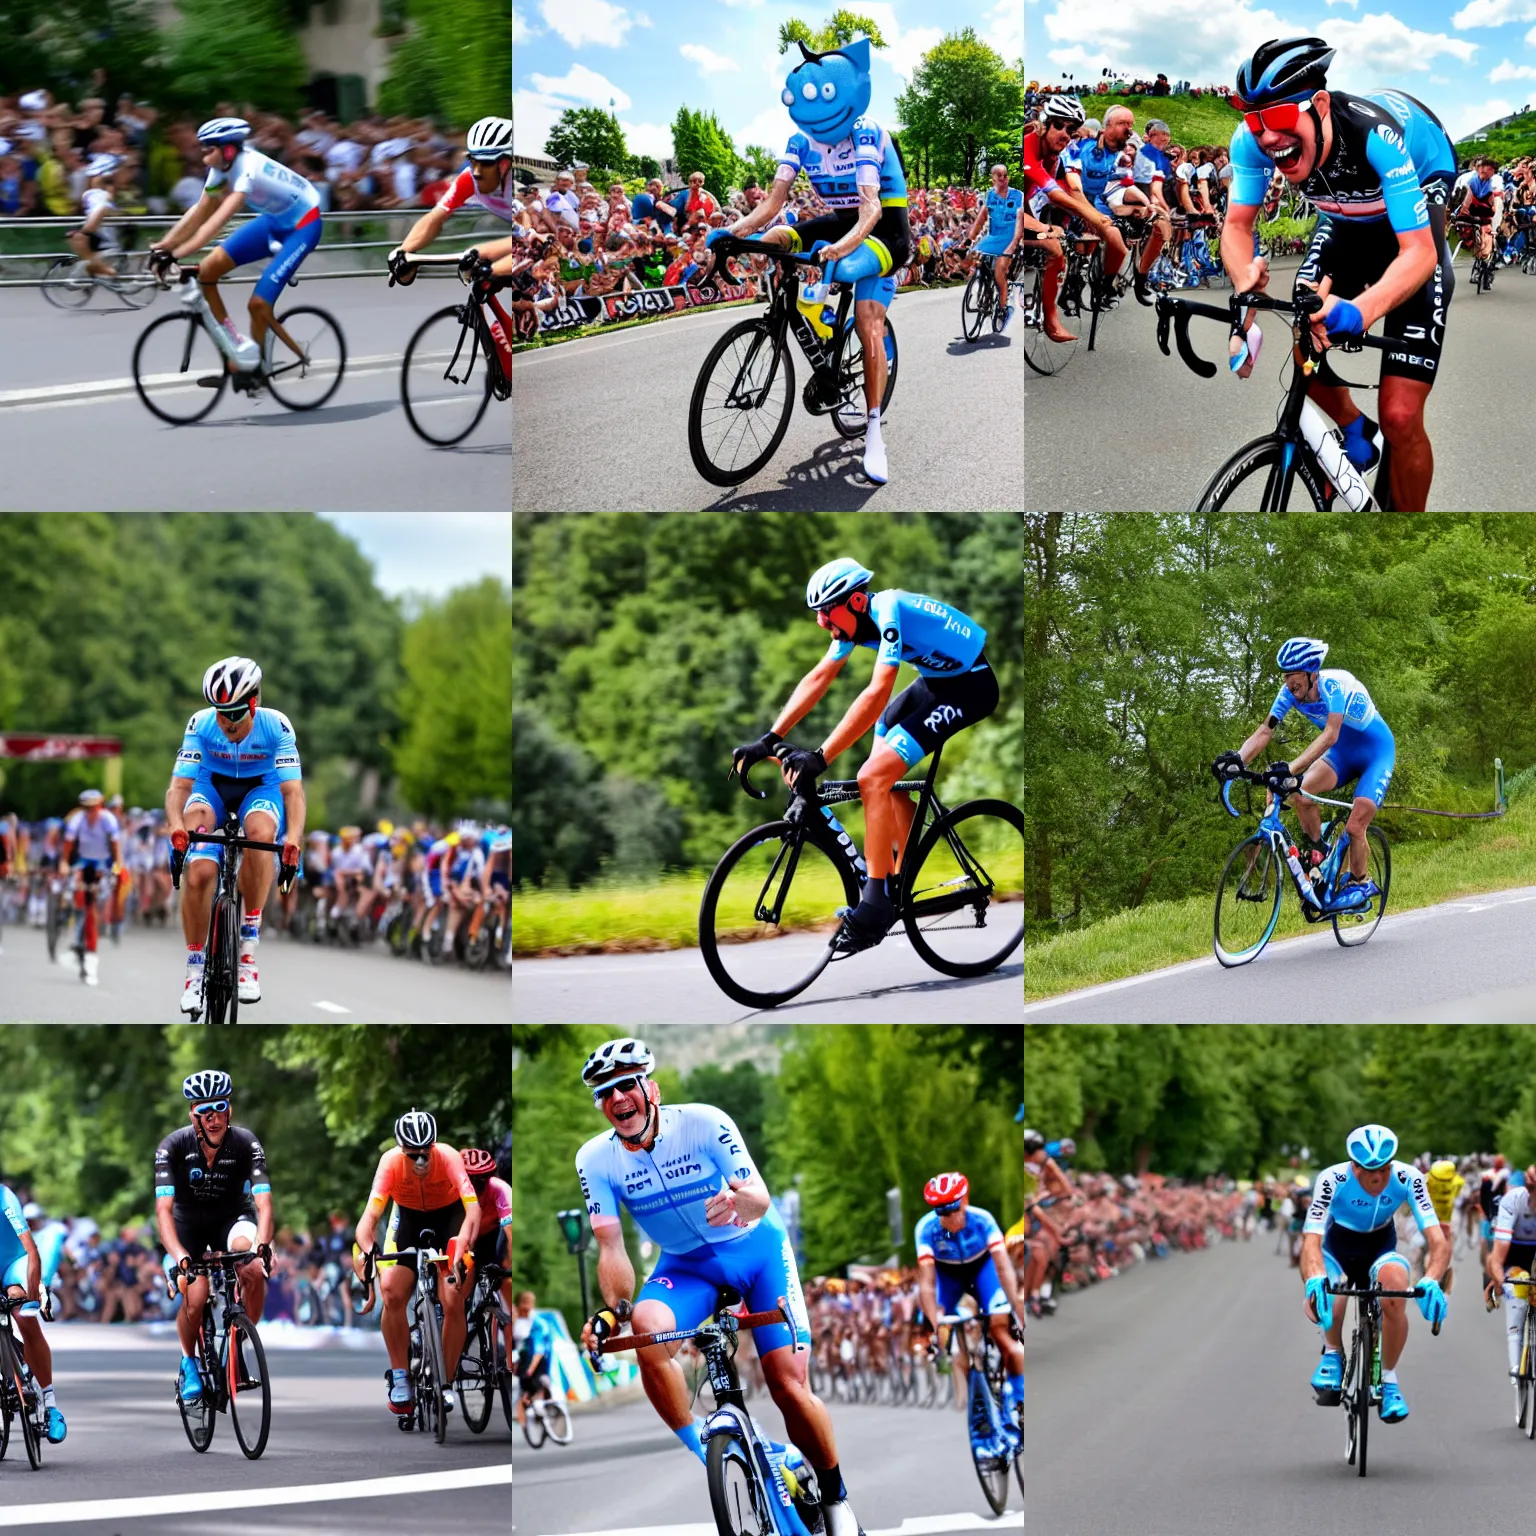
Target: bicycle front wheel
[[964, 909], [1045, 356], [1247, 901], [178, 370], [736, 1493], [1352, 928], [741, 403], [973, 306], [445, 381], [1257, 479], [765, 919], [477, 1375], [306, 363], [250, 1390]]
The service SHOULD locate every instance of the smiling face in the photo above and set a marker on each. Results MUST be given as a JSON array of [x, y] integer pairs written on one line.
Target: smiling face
[[628, 1105]]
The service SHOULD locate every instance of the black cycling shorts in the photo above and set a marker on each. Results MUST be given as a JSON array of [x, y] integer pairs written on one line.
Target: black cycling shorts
[[933, 709]]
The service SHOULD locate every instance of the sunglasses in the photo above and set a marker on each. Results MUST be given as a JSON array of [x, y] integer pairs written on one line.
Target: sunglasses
[[212, 1107], [621, 1085], [1281, 118], [948, 1210]]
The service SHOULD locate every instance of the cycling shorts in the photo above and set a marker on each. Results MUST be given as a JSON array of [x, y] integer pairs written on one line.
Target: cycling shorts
[[259, 797], [286, 245], [891, 238], [933, 709], [1368, 755]]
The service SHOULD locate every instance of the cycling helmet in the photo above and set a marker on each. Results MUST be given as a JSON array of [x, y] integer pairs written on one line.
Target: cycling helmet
[[615, 1057], [1301, 655], [415, 1130], [89, 797], [834, 581], [1283, 69], [1062, 109], [946, 1188], [224, 130], [478, 1164], [1068, 1146], [1371, 1146], [490, 139], [1033, 1142], [229, 683], [202, 1086]]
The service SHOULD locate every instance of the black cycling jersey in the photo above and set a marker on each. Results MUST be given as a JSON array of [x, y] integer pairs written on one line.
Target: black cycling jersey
[[222, 1188]]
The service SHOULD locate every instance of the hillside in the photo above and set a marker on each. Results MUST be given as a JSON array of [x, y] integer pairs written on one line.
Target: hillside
[[1517, 136], [1191, 119]]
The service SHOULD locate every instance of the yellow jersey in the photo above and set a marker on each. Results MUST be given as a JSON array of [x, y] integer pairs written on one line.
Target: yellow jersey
[[1442, 1194], [1016, 1230]]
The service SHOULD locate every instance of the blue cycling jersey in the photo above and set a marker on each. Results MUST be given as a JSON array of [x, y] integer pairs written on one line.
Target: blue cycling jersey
[[1003, 211], [970, 1243], [1386, 148], [540, 1339], [270, 753], [12, 1229], [936, 639], [1094, 165], [1150, 164], [1339, 1199], [1338, 693], [1481, 191], [864, 157]]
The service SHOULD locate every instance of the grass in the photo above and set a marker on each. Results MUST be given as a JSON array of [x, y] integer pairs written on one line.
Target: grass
[[1494, 856]]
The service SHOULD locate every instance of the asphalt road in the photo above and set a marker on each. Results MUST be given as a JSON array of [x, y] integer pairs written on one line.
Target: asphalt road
[[1178, 1391], [73, 433], [140, 983], [908, 1472], [887, 985], [335, 1461], [953, 433], [1175, 429], [1463, 962]]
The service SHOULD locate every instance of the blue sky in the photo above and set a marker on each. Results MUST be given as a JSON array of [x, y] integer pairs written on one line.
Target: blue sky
[[1469, 64], [430, 552], [721, 57]]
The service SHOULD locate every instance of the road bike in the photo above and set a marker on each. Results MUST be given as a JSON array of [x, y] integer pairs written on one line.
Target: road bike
[[484, 1374], [443, 393], [1361, 1388], [67, 284], [230, 1358], [993, 1451], [221, 947], [1045, 356], [431, 1391], [21, 1398], [744, 395], [757, 1485], [1303, 458], [182, 361], [979, 309], [321, 1300], [959, 894], [1523, 1377], [1253, 878]]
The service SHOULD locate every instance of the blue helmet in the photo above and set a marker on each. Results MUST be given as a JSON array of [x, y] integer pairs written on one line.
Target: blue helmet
[[1301, 655], [1372, 1146], [224, 130], [834, 581], [1283, 69]]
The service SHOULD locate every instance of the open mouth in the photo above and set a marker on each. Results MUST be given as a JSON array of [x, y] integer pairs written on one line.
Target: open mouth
[[1287, 156]]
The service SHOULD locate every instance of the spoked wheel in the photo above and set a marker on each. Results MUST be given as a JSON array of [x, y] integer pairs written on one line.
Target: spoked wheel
[[1522, 1386], [535, 1430], [557, 1420], [770, 884], [1045, 356], [974, 308], [965, 896], [66, 283], [221, 974], [1351, 928], [306, 369], [1247, 900], [178, 370], [137, 287], [445, 382], [851, 415], [1251, 481], [198, 1418], [741, 403], [250, 1389], [504, 1379], [432, 1406], [477, 1371]]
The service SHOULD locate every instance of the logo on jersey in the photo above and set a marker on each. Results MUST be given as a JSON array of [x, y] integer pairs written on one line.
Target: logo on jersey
[[941, 716]]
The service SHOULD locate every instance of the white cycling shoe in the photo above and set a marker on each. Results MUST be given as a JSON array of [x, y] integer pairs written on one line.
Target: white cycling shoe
[[840, 1519], [250, 986], [192, 989]]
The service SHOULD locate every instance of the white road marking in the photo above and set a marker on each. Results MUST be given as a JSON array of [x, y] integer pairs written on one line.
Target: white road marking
[[207, 1501], [332, 1007]]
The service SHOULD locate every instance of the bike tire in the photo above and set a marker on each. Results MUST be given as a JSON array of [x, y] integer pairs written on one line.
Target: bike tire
[[1262, 456], [185, 418], [973, 308], [420, 420], [532, 1417], [432, 1372], [735, 1489], [1356, 930], [197, 1419], [851, 419], [475, 1395], [913, 907], [250, 1431], [559, 1432], [779, 363], [276, 379], [1238, 873], [63, 294], [1044, 356], [221, 974]]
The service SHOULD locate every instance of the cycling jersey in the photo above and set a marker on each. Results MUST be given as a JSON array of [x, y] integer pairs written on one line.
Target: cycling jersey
[[462, 192], [286, 197], [92, 199], [1442, 1195], [270, 753], [1095, 165], [92, 839], [979, 1234], [539, 1339], [923, 632], [1366, 749], [1515, 1221], [1041, 168], [1386, 148], [864, 157], [697, 1151], [1339, 693], [442, 1184], [1003, 211], [1483, 192], [498, 1200], [224, 1187], [12, 1229], [1338, 1199], [1150, 165]]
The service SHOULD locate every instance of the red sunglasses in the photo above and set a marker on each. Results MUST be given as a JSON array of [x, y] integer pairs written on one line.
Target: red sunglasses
[[1281, 118]]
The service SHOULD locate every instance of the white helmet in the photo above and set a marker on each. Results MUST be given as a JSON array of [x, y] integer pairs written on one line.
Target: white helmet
[[834, 581], [1061, 109], [229, 683], [415, 1130], [100, 165], [224, 130], [202, 1086], [490, 138], [615, 1057]]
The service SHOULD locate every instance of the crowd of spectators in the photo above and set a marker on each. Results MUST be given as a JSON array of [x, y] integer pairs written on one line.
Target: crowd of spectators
[[1113, 85], [588, 242], [108, 1277], [370, 164]]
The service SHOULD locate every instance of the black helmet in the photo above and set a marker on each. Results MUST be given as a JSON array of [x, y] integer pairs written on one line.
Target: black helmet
[[1283, 69]]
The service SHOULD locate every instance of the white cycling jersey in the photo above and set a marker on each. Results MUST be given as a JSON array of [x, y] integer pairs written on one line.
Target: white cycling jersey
[[95, 841]]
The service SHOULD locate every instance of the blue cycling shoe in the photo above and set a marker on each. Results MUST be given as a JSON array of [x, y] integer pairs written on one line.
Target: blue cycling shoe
[[191, 1382], [1394, 1406], [1328, 1378], [57, 1428], [1355, 896]]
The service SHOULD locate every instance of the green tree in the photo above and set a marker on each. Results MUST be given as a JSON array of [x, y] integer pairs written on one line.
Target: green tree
[[454, 62], [235, 55]]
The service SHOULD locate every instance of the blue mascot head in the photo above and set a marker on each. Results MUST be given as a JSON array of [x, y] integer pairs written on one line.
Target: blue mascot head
[[826, 93]]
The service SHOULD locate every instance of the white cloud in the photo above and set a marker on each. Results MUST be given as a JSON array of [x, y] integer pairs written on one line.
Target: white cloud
[[1461, 121], [523, 31], [1504, 70], [709, 62], [1530, 38], [1494, 13], [582, 87], [588, 23], [1354, 5]]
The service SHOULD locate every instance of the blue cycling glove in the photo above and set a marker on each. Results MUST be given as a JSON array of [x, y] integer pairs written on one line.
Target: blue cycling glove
[[1344, 319]]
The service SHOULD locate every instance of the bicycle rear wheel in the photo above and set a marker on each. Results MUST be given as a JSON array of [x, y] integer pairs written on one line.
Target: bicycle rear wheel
[[66, 283], [964, 909], [1352, 928], [1247, 901], [305, 374]]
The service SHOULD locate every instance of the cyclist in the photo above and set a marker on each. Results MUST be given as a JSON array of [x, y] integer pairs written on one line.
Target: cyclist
[[955, 688], [855, 168], [352, 867], [686, 1177], [1379, 169], [1483, 203], [960, 1251], [1355, 742], [1349, 1235], [432, 1195], [465, 869], [1002, 211], [493, 1246], [96, 235], [212, 1194], [92, 844], [1511, 1258], [535, 1340], [21, 1273], [287, 210], [1043, 1175], [235, 757], [1092, 165], [486, 182]]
